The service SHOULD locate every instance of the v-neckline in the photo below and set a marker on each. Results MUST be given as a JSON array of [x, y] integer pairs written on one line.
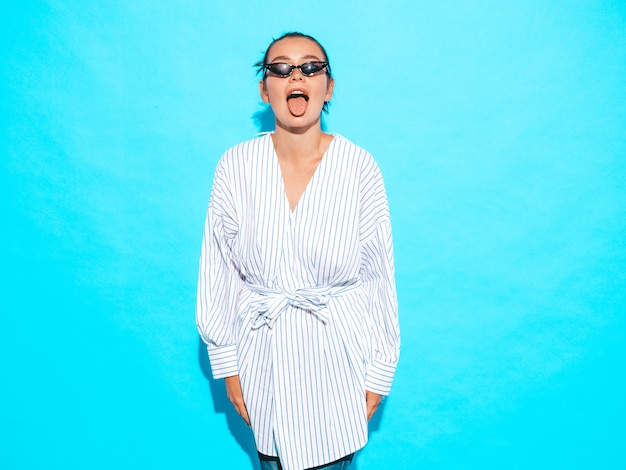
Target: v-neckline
[[308, 184]]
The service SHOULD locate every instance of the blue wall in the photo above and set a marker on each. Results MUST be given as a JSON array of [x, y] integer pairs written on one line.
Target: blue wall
[[500, 129]]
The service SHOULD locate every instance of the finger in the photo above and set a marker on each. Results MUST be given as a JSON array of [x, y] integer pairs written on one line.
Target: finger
[[371, 409], [243, 412], [235, 395], [372, 401], [240, 407]]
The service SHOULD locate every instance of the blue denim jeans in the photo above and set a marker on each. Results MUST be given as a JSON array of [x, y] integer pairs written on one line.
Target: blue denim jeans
[[273, 463]]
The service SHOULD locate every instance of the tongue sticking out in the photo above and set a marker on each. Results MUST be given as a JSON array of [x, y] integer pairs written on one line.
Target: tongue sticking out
[[297, 104]]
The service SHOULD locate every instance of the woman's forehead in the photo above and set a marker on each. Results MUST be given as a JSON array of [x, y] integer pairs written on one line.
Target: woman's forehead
[[295, 48]]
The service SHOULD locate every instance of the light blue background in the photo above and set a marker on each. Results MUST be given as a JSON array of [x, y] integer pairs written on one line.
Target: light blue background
[[500, 128]]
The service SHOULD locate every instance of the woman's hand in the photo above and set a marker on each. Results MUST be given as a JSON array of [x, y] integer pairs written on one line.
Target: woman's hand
[[235, 395], [372, 400]]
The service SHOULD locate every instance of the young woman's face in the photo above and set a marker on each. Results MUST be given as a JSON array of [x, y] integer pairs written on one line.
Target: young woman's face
[[296, 100]]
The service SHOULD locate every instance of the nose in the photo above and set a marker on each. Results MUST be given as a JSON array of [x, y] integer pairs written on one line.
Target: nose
[[296, 74]]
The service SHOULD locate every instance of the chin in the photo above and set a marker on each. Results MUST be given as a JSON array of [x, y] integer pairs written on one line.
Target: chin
[[299, 124]]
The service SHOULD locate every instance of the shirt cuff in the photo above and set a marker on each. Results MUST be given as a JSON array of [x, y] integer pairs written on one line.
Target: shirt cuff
[[379, 377], [223, 360]]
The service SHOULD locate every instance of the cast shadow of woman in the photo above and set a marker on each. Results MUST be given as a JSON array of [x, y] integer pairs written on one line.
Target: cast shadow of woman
[[221, 404], [264, 121]]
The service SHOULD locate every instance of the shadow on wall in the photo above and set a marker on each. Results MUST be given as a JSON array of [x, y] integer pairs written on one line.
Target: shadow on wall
[[221, 404], [265, 121]]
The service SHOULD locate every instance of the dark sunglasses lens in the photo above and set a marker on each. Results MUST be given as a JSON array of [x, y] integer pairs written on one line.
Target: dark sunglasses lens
[[310, 68], [284, 70]]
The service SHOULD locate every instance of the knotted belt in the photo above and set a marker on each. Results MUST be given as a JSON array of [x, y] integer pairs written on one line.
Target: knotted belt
[[268, 304]]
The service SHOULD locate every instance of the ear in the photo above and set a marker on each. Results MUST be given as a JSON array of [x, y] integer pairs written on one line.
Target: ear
[[329, 90], [263, 91]]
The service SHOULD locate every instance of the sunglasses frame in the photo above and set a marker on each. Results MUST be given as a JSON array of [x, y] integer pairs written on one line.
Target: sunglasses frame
[[323, 65]]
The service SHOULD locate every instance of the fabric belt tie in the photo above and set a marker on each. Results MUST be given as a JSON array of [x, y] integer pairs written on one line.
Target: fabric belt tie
[[268, 304]]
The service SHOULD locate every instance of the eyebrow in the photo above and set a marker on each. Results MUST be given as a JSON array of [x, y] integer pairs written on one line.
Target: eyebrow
[[282, 57]]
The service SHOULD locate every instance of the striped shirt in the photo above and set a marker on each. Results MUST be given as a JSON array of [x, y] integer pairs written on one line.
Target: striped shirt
[[302, 305]]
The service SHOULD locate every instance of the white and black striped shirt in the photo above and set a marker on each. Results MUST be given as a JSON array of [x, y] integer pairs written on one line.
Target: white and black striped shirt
[[302, 305]]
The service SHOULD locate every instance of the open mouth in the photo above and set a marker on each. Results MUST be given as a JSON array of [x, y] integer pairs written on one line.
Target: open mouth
[[298, 94]]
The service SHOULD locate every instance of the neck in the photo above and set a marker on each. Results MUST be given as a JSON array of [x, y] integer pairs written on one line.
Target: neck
[[304, 144]]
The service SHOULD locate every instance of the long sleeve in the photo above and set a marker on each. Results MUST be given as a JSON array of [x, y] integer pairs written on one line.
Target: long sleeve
[[377, 272], [218, 281]]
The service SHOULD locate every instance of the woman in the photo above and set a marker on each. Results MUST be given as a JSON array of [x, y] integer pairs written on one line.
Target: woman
[[296, 293]]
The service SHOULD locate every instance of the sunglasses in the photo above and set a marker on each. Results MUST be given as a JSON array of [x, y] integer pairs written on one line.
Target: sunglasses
[[308, 69]]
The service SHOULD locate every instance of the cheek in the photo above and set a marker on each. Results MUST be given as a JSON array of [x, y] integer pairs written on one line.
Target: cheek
[[272, 93]]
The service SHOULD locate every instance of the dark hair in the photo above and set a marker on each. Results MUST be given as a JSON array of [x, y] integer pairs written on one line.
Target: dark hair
[[294, 34]]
